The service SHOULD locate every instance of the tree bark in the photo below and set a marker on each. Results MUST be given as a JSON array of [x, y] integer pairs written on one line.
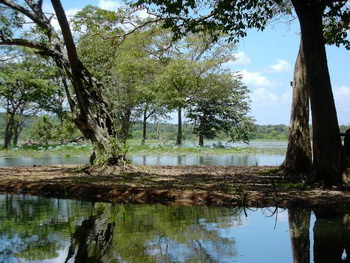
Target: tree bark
[[201, 139], [159, 137], [179, 126], [125, 124], [8, 131], [327, 148], [91, 110], [92, 114], [144, 126], [298, 157]]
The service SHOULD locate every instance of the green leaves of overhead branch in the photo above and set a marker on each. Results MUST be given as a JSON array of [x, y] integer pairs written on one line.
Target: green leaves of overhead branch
[[230, 17]]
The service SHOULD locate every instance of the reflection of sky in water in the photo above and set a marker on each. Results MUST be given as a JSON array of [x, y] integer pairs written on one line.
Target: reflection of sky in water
[[272, 159], [262, 236]]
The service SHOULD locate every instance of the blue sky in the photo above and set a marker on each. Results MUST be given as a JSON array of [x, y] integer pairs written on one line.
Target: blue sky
[[266, 62]]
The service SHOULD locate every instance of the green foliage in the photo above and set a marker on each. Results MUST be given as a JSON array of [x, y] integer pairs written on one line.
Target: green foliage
[[230, 17], [43, 131], [337, 24], [26, 87], [271, 132], [66, 131], [221, 105]]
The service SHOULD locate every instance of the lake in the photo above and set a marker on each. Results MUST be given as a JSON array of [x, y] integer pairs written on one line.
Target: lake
[[37, 229], [249, 159], [191, 159]]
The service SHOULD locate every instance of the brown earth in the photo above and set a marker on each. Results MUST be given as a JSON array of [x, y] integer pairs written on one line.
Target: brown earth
[[255, 186]]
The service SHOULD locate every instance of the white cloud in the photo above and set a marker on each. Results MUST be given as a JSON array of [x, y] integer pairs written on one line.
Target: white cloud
[[342, 91], [254, 79], [109, 4], [262, 97], [240, 59], [270, 108], [281, 66]]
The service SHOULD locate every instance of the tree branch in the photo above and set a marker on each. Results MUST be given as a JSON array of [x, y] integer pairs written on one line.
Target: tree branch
[[25, 43]]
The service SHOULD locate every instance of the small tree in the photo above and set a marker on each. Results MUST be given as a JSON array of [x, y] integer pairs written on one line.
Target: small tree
[[25, 89], [43, 131], [221, 105]]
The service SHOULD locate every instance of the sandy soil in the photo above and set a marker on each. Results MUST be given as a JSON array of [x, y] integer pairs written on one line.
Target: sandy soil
[[255, 186]]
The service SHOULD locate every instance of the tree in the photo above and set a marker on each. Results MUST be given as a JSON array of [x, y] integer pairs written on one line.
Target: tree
[[234, 18], [26, 88], [221, 105], [126, 66], [177, 80], [193, 59], [298, 156], [327, 147], [43, 130], [91, 110]]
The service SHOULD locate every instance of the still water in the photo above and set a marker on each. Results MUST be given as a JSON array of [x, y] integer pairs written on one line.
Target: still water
[[37, 229], [268, 159], [237, 159]]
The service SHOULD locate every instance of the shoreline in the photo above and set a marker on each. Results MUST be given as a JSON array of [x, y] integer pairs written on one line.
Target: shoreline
[[246, 186]]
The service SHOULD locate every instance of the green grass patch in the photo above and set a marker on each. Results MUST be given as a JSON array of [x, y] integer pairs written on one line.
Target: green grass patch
[[134, 148]]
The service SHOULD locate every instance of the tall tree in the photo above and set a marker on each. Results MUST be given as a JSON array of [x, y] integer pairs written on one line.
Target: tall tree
[[177, 80], [91, 110], [235, 17], [327, 147], [193, 58], [298, 156]]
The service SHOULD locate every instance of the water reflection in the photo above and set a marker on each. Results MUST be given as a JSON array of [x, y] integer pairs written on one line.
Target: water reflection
[[332, 237], [37, 229], [260, 159]]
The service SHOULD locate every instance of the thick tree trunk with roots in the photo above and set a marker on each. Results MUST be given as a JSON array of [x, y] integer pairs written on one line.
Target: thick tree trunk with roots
[[91, 110], [327, 147], [298, 157], [93, 113]]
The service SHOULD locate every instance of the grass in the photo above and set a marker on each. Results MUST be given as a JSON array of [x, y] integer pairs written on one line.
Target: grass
[[152, 148]]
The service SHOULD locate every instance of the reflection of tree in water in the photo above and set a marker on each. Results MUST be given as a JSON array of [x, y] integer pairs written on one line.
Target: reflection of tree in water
[[299, 226], [154, 234], [32, 228], [331, 234], [332, 237]]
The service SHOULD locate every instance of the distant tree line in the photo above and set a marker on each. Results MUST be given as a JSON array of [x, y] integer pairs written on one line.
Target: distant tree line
[[47, 129]]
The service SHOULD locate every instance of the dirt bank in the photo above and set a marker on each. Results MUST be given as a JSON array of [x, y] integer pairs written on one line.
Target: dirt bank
[[256, 186]]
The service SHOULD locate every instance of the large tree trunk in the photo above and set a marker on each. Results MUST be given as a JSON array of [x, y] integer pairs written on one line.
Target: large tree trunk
[[8, 130], [179, 126], [327, 148], [298, 157], [91, 110], [92, 113]]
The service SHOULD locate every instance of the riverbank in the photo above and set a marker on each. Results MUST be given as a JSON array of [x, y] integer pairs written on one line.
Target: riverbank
[[249, 186]]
